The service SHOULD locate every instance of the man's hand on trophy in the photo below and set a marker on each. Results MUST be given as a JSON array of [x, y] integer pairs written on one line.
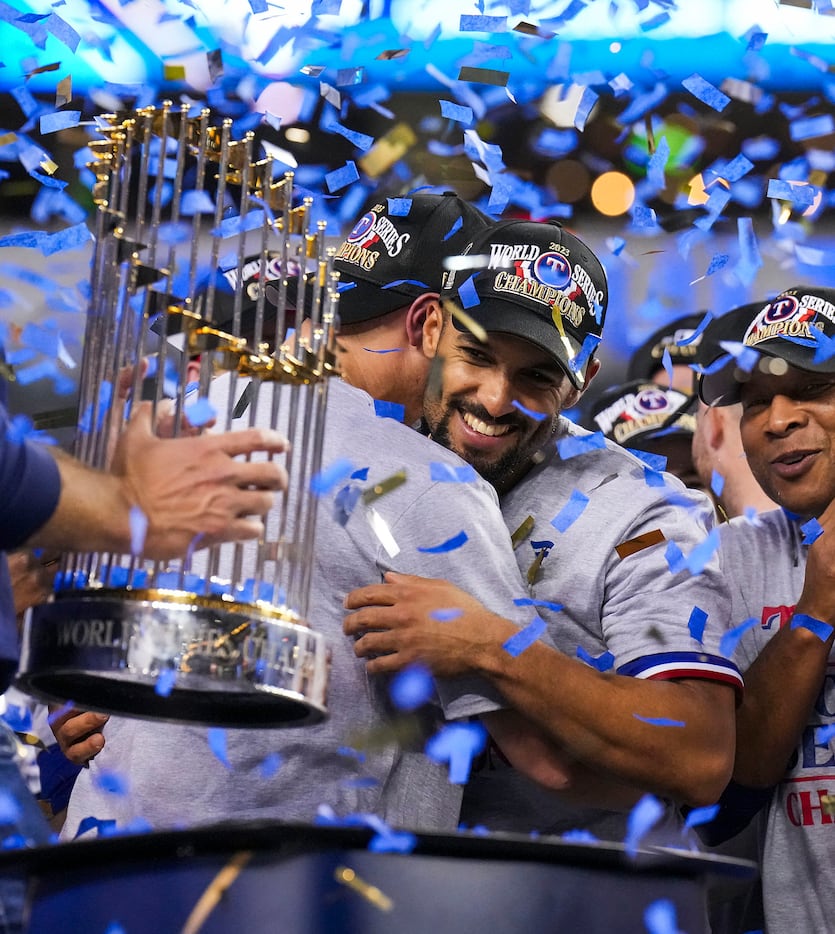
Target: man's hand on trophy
[[196, 491], [78, 732]]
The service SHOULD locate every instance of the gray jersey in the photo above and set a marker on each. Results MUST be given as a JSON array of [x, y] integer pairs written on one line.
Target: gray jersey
[[173, 775], [766, 563], [633, 607]]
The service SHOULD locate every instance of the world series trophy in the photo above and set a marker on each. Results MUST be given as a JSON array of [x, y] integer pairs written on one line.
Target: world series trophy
[[219, 636]]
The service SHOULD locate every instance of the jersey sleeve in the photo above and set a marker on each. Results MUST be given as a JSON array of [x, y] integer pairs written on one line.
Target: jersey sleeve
[[31, 485]]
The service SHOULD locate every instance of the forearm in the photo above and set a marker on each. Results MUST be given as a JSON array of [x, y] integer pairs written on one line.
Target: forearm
[[92, 512], [673, 739], [775, 711]]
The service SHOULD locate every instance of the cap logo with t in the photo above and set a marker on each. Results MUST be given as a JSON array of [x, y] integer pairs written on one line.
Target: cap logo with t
[[784, 317], [638, 412], [372, 228]]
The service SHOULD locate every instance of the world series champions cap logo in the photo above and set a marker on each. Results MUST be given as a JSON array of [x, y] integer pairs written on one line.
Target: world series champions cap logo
[[785, 317], [372, 229]]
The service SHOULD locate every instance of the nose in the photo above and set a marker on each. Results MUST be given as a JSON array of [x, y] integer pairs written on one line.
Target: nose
[[495, 393], [784, 415]]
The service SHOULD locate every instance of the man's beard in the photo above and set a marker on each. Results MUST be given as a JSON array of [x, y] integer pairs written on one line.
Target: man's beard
[[503, 473]]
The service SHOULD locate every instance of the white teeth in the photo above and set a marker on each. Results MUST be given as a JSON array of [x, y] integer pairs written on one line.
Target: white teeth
[[492, 431]]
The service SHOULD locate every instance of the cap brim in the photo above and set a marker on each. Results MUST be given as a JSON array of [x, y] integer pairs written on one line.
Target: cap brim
[[359, 301], [493, 316], [724, 386]]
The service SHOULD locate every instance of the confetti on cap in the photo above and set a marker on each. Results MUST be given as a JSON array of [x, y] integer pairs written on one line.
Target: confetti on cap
[[697, 622], [216, 737], [706, 92], [138, 530], [659, 721], [730, 640], [440, 472], [384, 409], [412, 687], [642, 818], [525, 638], [639, 543], [451, 544], [457, 744], [812, 531], [603, 662], [821, 629], [333, 474], [575, 445], [570, 512], [660, 917], [399, 207], [467, 293]]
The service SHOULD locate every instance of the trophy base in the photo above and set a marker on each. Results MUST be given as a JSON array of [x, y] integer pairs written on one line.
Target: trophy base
[[172, 655]]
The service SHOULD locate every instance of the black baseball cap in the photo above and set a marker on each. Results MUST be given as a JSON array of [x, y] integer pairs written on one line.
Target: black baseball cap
[[536, 281], [798, 326], [638, 411], [395, 252], [676, 336]]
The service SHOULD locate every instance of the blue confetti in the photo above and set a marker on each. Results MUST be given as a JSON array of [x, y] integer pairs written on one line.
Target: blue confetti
[[536, 416], [474, 23], [699, 816], [717, 483], [660, 917], [812, 531], [112, 783], [821, 629], [61, 120], [138, 530], [657, 163], [457, 744], [569, 513], [382, 351], [603, 662], [575, 445], [659, 721], [653, 477], [730, 639], [590, 344], [525, 638], [706, 92], [239, 223], [696, 623], [800, 195], [440, 472], [393, 841], [457, 224], [216, 737], [642, 818], [342, 177], [823, 734], [384, 409], [667, 362], [656, 462], [334, 474], [165, 682], [399, 207], [451, 544], [457, 112], [200, 412], [270, 764], [584, 108], [467, 293], [811, 127], [446, 615], [412, 687], [196, 202], [674, 557]]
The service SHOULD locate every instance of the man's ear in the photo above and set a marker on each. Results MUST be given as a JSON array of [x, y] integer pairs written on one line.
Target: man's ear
[[416, 315], [433, 324]]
